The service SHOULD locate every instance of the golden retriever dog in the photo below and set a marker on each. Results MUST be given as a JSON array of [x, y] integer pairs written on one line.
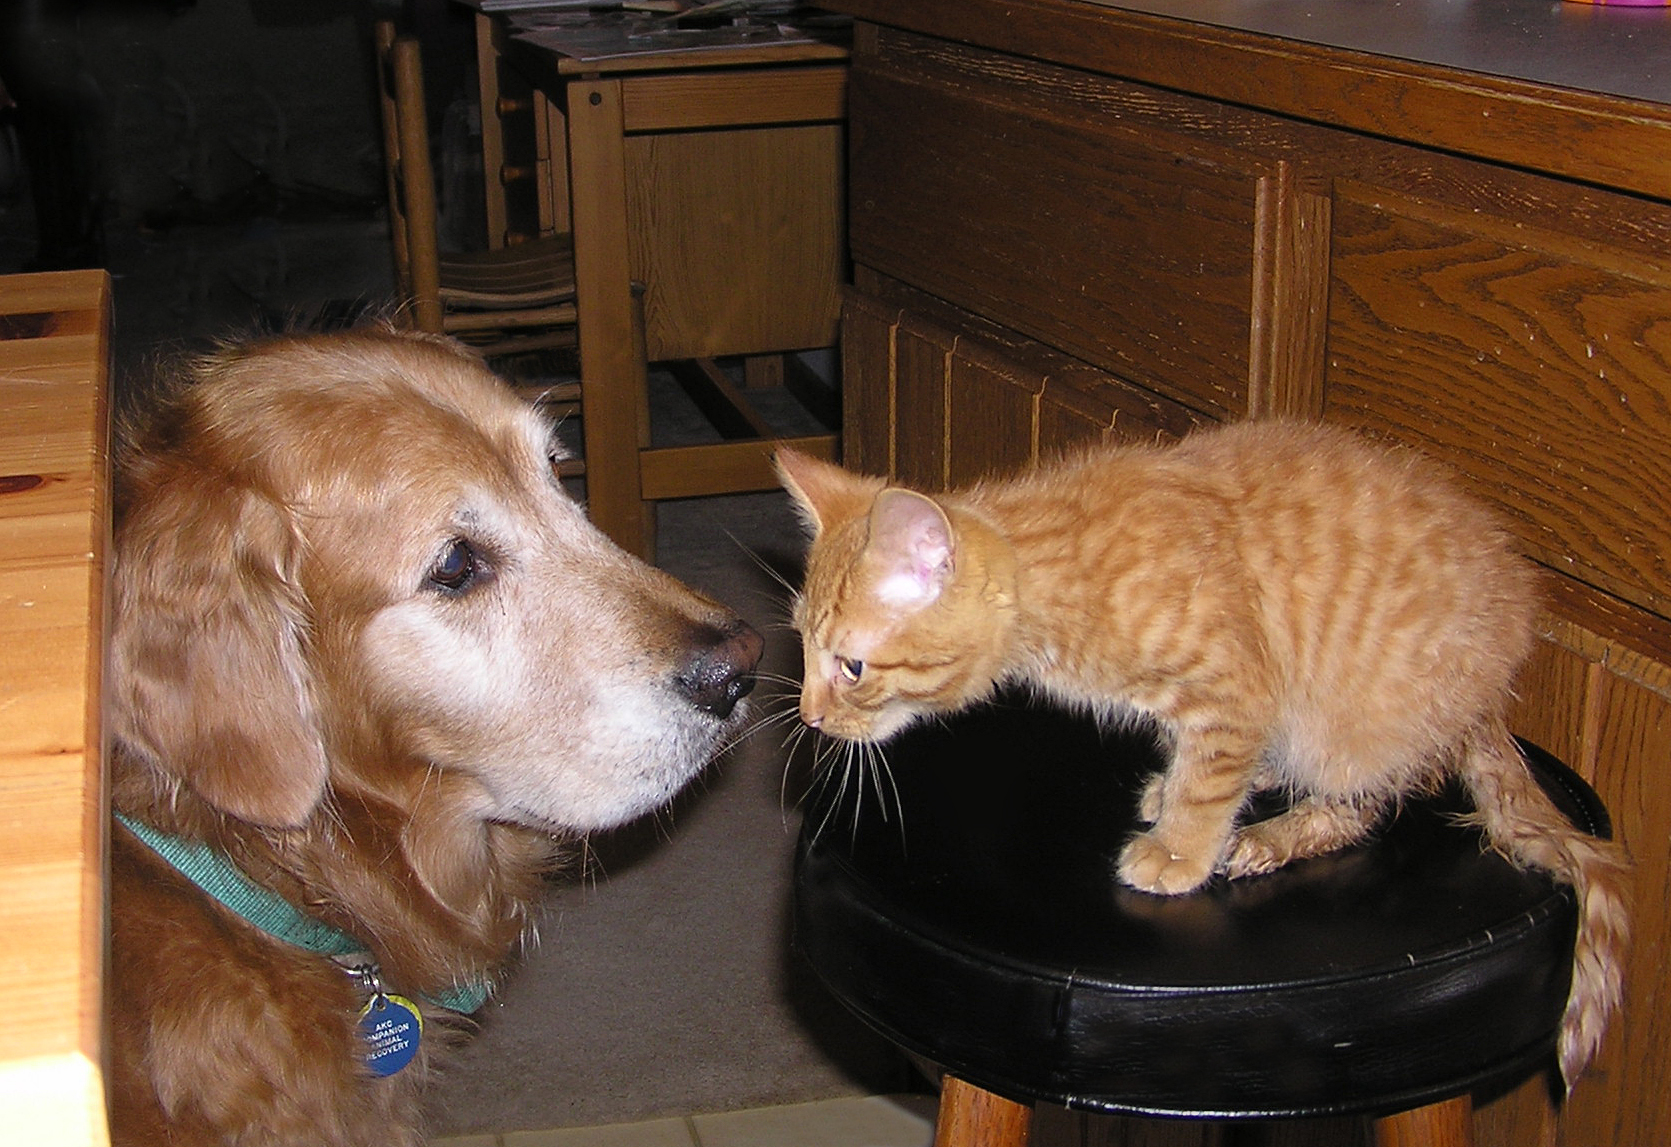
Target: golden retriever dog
[[370, 667]]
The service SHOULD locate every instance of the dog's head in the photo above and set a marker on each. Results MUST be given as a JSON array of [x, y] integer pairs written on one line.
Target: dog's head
[[347, 560]]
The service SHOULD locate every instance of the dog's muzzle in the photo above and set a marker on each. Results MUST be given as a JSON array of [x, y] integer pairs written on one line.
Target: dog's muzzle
[[721, 671]]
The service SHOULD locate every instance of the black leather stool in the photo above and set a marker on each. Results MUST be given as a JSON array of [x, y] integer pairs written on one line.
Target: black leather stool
[[975, 921]]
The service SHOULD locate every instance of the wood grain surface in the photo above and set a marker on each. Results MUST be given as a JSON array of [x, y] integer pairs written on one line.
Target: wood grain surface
[[54, 523]]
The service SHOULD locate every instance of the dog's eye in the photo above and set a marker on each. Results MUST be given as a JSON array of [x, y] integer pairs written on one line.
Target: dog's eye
[[456, 568], [851, 668]]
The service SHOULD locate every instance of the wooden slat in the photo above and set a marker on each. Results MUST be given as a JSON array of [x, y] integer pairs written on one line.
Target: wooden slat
[[54, 522], [721, 468], [706, 99], [722, 402], [611, 365], [493, 133]]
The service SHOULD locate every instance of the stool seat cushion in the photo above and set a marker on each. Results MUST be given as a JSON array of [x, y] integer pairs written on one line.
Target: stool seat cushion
[[969, 911]]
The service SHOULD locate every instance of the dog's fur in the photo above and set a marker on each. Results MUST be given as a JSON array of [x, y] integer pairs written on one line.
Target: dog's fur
[[365, 644]]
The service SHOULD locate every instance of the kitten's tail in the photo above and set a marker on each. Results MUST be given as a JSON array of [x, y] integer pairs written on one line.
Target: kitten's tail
[[1523, 823]]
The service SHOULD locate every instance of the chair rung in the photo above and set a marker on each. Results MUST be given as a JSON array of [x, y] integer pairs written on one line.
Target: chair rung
[[722, 467], [487, 298], [548, 395], [499, 320]]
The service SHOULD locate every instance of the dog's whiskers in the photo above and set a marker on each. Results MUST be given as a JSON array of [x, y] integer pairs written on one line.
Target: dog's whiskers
[[591, 865], [765, 720], [777, 708]]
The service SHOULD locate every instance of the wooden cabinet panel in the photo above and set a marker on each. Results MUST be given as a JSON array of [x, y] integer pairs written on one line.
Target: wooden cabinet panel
[[993, 416], [697, 198], [867, 408], [1598, 692], [1538, 366], [922, 364], [1624, 1103], [1082, 405], [937, 397], [1132, 252]]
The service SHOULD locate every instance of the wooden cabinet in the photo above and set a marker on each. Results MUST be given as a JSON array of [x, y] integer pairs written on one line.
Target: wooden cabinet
[[1069, 221]]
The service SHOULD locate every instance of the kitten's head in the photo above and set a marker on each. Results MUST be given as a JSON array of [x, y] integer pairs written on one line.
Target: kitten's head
[[906, 606]]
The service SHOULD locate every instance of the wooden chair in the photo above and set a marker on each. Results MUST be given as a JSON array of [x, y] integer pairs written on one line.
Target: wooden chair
[[502, 300], [974, 920]]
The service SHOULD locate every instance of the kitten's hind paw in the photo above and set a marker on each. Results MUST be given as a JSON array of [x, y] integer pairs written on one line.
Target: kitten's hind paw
[[1148, 865], [1254, 852], [1311, 828]]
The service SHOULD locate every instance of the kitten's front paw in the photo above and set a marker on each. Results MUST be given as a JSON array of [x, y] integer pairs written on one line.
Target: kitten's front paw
[[1148, 865]]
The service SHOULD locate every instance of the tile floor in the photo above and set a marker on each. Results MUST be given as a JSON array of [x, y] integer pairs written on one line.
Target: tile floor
[[859, 1121]]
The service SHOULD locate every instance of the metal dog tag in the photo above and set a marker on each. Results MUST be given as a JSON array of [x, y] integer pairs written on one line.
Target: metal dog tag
[[392, 1028]]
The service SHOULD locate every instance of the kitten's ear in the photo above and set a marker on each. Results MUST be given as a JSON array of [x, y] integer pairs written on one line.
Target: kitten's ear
[[824, 493], [911, 545]]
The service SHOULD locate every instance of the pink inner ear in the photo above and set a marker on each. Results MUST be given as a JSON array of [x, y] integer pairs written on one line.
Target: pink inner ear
[[911, 537]]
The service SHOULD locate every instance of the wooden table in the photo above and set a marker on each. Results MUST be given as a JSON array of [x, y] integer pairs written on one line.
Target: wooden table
[[710, 178], [54, 526]]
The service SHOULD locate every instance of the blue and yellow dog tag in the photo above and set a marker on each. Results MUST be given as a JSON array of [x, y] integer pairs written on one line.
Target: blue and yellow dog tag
[[391, 1027]]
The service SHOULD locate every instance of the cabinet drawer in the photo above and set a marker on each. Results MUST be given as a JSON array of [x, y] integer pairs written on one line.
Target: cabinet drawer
[[1135, 229], [1536, 362], [1069, 207]]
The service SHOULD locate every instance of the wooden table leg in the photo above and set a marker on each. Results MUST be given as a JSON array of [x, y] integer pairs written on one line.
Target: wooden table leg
[[1447, 1124], [611, 363], [971, 1117]]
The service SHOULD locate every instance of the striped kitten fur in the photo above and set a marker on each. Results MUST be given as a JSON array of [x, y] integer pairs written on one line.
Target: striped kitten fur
[[1297, 609]]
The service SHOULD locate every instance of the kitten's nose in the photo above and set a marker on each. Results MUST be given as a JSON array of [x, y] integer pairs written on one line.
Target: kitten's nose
[[810, 717], [721, 672]]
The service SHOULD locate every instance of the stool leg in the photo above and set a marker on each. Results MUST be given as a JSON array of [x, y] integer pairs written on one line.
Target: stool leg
[[1447, 1124], [970, 1117]]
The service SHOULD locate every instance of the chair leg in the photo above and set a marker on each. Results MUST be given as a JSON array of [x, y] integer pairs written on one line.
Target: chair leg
[[971, 1117], [1447, 1124]]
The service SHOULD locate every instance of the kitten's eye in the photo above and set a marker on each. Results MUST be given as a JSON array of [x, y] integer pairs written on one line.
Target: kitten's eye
[[457, 568], [850, 668]]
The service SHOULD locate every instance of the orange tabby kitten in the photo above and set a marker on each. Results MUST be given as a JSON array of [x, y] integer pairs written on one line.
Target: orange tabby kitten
[[1296, 609]]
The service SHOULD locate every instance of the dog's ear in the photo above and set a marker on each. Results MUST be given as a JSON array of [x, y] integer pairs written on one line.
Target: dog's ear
[[211, 682]]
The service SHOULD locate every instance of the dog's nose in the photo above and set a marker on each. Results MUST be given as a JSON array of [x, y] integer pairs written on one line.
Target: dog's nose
[[721, 673]]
